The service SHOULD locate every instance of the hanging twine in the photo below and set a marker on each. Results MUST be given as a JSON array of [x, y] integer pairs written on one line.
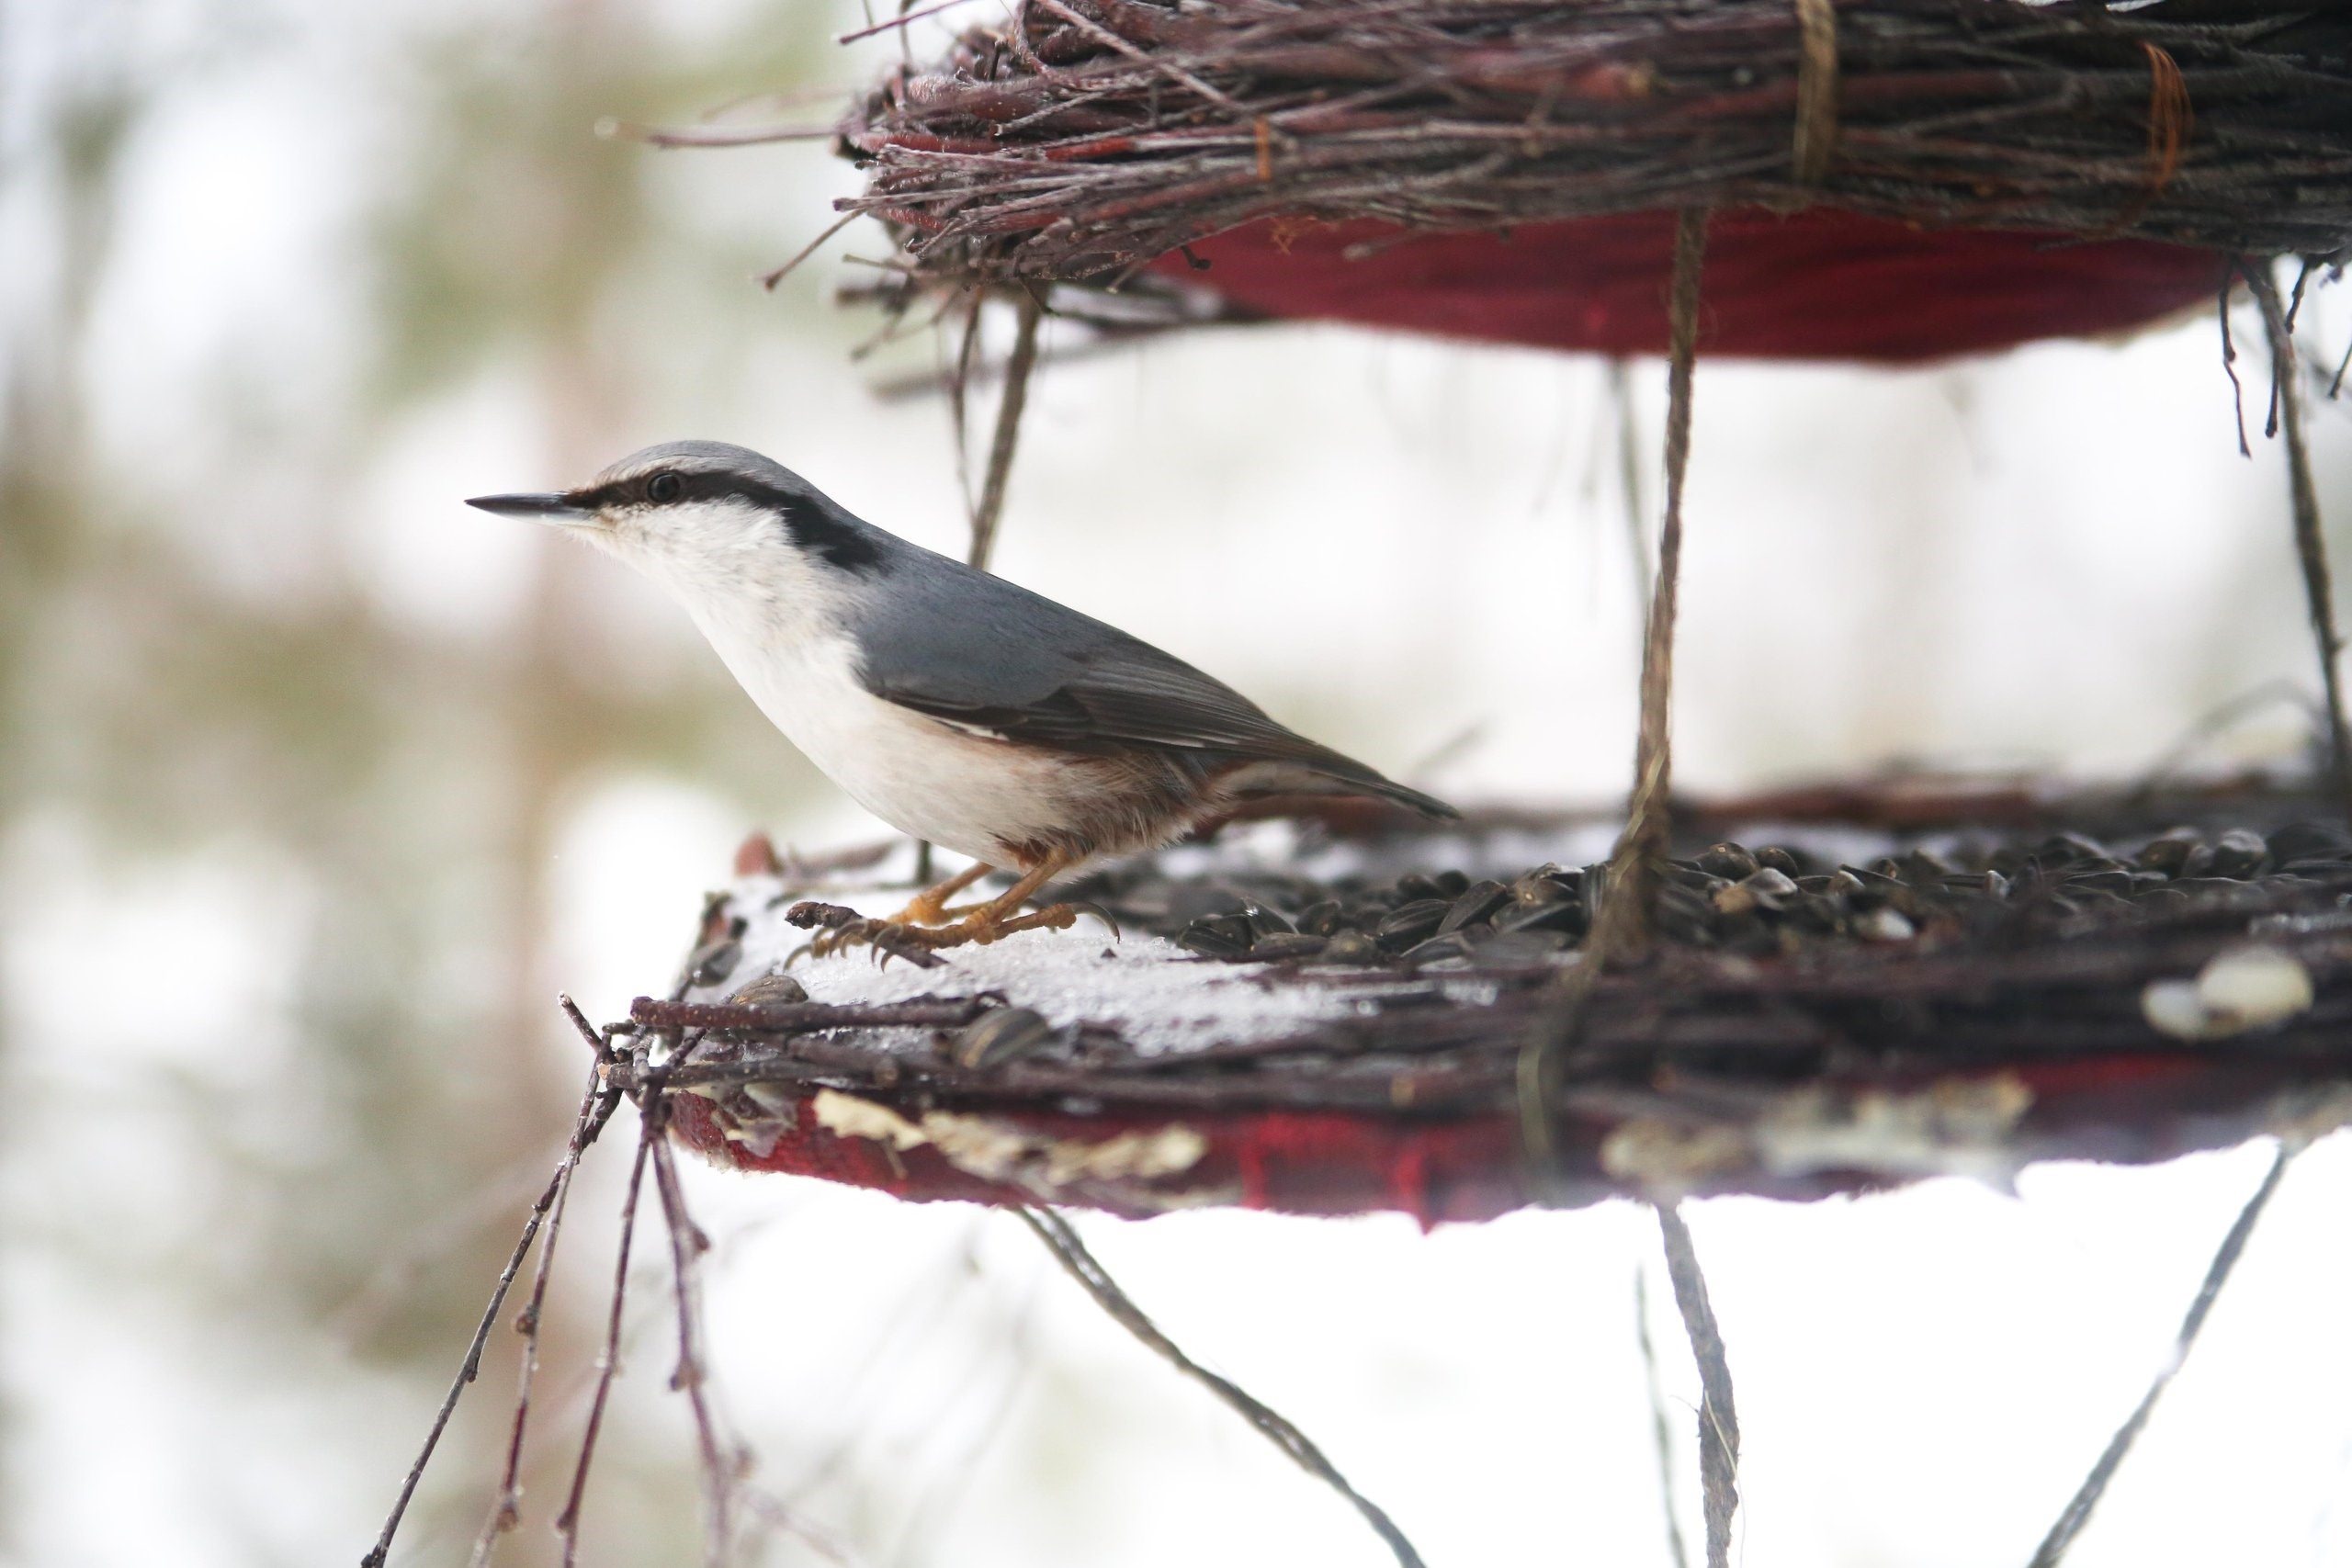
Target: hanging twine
[[1624, 915], [1817, 130]]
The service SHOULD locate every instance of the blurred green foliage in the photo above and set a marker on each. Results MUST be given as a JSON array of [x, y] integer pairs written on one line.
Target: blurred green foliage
[[151, 710]]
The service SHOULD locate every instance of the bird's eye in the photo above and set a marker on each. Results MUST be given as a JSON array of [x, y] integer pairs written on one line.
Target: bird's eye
[[664, 487]]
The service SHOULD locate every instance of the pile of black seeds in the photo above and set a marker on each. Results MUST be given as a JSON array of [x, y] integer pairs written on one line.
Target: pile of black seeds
[[1758, 902]]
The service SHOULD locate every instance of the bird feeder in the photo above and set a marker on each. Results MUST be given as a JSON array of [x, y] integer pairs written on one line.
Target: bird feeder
[[2007, 975], [1893, 181]]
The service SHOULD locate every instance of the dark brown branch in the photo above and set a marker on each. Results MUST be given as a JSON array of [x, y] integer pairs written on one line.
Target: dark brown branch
[[2077, 1511], [900, 20], [1661, 1436], [597, 1103], [1718, 1418], [770, 279], [594, 1112], [1010, 402], [567, 1523], [677, 136], [1070, 1252], [1629, 478], [803, 1018], [2311, 540], [1078, 144], [721, 1467]]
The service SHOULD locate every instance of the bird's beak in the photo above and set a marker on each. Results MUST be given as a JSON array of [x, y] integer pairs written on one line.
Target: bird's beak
[[558, 510]]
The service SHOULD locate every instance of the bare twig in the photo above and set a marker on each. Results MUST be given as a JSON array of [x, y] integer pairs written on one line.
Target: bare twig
[[776, 1513], [2311, 540], [958, 380], [1718, 1418], [600, 1047], [1104, 36], [567, 1523], [1011, 402], [2077, 1512], [506, 1511], [1063, 1241], [900, 20], [2230, 368], [768, 281], [678, 136], [1629, 478], [596, 1111], [1661, 1436], [1102, 145], [721, 1467], [955, 1475], [799, 1018]]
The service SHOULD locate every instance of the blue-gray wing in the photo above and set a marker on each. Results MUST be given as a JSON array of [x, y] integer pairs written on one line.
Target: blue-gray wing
[[985, 654]]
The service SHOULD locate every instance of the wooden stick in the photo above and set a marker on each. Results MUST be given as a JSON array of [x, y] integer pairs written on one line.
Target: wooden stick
[[2077, 1512], [1009, 404], [2311, 540], [1718, 1418], [1062, 1240]]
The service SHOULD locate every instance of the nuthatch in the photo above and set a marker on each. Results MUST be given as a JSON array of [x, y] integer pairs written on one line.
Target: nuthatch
[[953, 704]]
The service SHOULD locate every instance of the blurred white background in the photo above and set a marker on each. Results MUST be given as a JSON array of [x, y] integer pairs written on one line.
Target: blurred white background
[[316, 785]]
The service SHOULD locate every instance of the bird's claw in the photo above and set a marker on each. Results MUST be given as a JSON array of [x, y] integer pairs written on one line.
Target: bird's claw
[[1087, 906]]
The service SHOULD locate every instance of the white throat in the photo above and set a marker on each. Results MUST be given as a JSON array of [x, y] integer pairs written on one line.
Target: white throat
[[779, 617]]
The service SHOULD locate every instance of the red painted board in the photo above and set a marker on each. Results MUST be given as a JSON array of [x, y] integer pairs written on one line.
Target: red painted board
[[1815, 285]]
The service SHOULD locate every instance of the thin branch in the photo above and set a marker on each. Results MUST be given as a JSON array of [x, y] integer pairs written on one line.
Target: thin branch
[[1661, 1436], [2230, 368], [567, 1523], [720, 1470], [595, 1104], [770, 279], [1629, 478], [583, 1133], [1009, 404], [788, 1018], [900, 20], [958, 381], [2077, 1512], [677, 136], [2311, 540], [1070, 1252], [1718, 1418], [1109, 39]]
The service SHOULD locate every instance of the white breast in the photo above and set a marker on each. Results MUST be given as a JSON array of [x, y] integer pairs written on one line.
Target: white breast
[[968, 793], [775, 624]]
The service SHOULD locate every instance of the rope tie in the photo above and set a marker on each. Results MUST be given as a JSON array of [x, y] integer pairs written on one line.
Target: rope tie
[[1816, 129], [2170, 116]]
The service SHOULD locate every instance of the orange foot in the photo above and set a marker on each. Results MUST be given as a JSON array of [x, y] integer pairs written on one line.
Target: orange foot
[[928, 922]]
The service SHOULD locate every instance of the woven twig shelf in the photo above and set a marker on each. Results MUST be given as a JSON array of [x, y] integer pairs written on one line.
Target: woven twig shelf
[[1895, 180], [1969, 1009]]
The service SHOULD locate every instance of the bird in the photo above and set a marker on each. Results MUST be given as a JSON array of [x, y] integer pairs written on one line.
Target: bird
[[955, 705]]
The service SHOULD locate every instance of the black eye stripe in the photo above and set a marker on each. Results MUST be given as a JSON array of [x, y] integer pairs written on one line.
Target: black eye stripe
[[814, 523], [596, 498]]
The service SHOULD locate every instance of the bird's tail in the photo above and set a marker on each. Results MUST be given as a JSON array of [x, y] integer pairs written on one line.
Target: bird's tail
[[1322, 770]]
